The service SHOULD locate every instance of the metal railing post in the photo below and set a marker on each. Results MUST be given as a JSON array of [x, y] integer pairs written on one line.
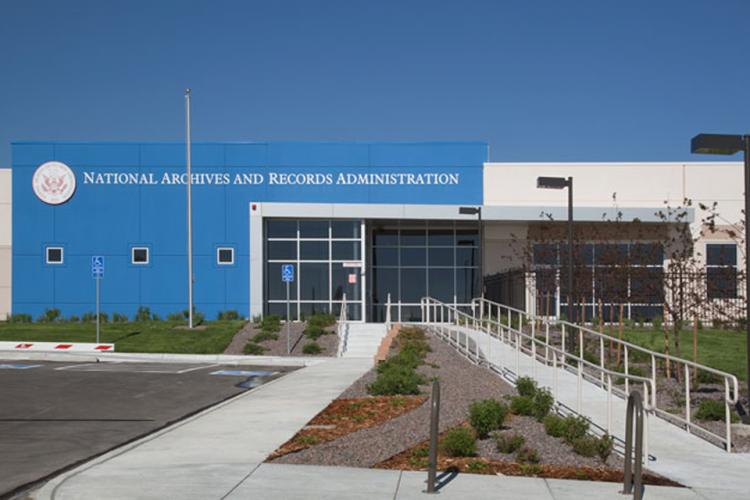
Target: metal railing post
[[434, 421], [633, 473]]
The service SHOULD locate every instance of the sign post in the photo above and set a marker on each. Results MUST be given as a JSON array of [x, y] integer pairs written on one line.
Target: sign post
[[97, 272], [287, 276]]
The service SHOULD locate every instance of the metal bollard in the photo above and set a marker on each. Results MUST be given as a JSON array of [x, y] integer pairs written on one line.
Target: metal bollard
[[633, 473], [434, 417]]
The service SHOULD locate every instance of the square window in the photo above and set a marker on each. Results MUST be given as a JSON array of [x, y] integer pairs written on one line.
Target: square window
[[225, 256], [54, 255], [139, 255]]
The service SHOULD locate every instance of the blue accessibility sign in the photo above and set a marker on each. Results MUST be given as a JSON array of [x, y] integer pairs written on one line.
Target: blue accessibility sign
[[287, 273], [97, 266]]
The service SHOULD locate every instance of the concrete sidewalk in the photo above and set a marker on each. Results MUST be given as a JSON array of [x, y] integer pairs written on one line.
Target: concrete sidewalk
[[210, 454]]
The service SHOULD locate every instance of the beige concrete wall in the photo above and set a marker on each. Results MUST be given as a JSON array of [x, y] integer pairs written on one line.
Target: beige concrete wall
[[5, 242], [652, 185]]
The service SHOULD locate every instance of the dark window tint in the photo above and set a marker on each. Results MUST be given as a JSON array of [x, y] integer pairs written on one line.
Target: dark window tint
[[465, 284], [385, 281], [442, 237], [140, 255], [440, 284], [280, 228], [281, 250], [467, 237], [385, 237], [413, 285], [346, 250], [441, 257], [226, 256], [340, 282], [545, 254], [643, 254], [313, 250], [308, 309], [384, 256], [611, 254], [413, 237], [721, 255], [54, 255], [467, 256], [279, 309], [345, 229], [413, 256], [646, 285], [313, 279], [313, 228], [721, 282]]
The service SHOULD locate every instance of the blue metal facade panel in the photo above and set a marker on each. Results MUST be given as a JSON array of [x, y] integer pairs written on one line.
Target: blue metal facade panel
[[132, 194]]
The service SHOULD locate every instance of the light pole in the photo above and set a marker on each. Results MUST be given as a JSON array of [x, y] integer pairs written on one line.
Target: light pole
[[562, 183], [478, 212], [722, 144], [189, 211]]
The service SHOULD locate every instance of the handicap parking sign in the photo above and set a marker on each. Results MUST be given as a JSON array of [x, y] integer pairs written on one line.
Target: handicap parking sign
[[287, 273], [97, 266]]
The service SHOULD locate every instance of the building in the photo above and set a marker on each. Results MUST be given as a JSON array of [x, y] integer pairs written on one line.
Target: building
[[372, 221]]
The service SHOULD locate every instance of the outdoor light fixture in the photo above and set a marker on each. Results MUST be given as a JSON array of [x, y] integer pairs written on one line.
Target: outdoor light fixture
[[562, 183], [478, 212], [724, 144]]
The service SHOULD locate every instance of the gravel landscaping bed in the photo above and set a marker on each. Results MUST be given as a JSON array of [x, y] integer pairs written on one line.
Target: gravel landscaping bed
[[461, 383], [329, 342]]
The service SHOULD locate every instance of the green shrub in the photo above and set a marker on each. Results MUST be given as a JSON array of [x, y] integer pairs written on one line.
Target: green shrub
[[531, 469], [478, 467], [542, 403], [312, 348], [314, 332], [526, 386], [554, 425], [322, 320], [605, 446], [230, 315], [264, 336], [271, 323], [527, 455], [254, 349], [522, 405], [508, 443], [88, 317], [486, 416], [574, 428], [705, 377], [459, 442], [175, 317], [396, 380], [74, 319], [119, 318], [143, 314], [711, 409], [20, 318], [586, 446], [50, 315], [590, 357]]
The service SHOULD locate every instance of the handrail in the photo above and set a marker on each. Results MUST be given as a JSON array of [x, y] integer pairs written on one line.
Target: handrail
[[341, 328], [731, 395], [558, 355], [633, 473], [388, 312]]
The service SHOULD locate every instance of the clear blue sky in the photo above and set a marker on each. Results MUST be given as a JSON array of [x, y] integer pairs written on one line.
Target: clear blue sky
[[538, 80]]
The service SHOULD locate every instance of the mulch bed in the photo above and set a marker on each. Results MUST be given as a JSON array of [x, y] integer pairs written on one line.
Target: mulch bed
[[344, 416]]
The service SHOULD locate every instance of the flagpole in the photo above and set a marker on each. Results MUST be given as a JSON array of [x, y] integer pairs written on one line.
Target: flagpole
[[189, 211]]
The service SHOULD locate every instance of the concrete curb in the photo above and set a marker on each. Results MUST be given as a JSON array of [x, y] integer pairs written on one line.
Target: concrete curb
[[223, 359]]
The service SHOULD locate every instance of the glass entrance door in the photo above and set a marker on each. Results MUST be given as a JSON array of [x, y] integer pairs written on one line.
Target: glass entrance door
[[325, 253]]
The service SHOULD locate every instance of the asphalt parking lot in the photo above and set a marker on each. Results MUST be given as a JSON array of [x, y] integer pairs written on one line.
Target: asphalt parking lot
[[56, 415]]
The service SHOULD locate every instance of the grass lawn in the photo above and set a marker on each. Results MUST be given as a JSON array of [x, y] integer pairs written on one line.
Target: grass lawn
[[150, 336], [724, 350]]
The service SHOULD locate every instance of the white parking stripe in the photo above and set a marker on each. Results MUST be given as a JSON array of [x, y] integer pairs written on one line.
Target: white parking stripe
[[196, 368], [75, 366]]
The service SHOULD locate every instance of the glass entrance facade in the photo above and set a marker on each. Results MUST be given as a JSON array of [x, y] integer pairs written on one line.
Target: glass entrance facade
[[413, 259], [318, 248]]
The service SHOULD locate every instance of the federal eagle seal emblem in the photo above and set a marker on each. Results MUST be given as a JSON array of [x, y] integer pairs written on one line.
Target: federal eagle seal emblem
[[54, 182]]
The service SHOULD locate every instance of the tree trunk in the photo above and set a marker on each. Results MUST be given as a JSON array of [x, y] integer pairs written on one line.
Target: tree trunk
[[667, 371]]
